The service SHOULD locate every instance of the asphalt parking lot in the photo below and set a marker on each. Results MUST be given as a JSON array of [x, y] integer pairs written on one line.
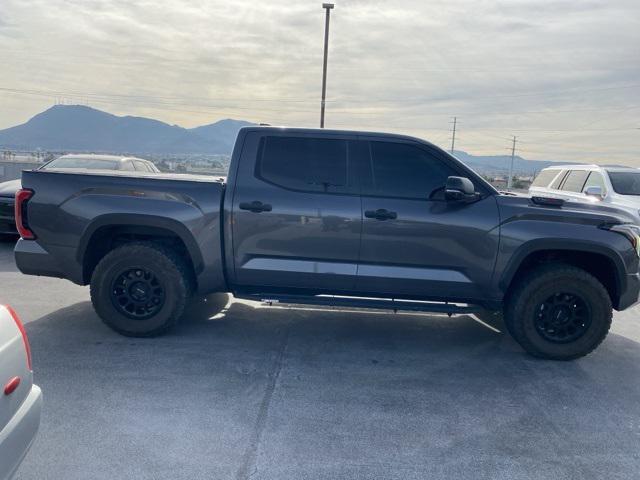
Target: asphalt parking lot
[[243, 391]]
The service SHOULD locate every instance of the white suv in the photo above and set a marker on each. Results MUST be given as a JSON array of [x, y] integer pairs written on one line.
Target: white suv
[[616, 186]]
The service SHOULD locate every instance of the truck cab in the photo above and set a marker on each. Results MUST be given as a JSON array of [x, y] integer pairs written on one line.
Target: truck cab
[[360, 214]]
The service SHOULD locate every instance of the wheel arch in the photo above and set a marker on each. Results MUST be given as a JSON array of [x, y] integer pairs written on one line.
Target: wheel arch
[[109, 231], [600, 261]]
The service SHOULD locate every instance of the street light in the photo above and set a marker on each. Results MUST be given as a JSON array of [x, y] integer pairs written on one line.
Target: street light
[[328, 7]]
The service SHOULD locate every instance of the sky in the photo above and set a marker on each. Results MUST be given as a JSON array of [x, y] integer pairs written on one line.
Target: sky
[[563, 76]]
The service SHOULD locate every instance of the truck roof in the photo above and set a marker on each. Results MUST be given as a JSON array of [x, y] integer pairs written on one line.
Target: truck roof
[[328, 131]]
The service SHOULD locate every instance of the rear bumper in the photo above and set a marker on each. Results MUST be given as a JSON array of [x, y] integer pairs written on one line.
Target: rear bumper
[[631, 295], [32, 259], [17, 436]]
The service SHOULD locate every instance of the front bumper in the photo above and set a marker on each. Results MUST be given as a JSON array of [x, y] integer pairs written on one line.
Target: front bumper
[[631, 294], [7, 215], [17, 436]]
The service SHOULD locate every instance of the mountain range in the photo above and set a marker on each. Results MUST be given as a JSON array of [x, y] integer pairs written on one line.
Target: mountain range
[[500, 164], [81, 128]]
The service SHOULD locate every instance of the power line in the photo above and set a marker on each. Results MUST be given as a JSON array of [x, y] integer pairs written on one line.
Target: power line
[[344, 99], [626, 63]]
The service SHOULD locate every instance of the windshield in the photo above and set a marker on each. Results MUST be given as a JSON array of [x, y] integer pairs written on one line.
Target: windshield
[[83, 162], [625, 183]]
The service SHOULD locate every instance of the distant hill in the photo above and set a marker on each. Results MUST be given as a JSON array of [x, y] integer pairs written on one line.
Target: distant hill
[[223, 132], [85, 129], [499, 164], [81, 128]]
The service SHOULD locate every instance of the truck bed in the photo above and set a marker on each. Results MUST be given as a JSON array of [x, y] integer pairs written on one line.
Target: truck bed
[[71, 209]]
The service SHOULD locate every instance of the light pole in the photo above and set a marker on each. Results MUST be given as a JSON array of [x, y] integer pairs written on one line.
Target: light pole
[[327, 7], [513, 154]]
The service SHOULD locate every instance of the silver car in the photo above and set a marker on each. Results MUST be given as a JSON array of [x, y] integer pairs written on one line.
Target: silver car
[[616, 186], [20, 399]]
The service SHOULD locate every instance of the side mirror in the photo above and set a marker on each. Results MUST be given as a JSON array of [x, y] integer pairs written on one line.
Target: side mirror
[[594, 191], [459, 189]]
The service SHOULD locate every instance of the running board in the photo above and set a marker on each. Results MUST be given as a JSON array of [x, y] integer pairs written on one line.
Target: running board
[[360, 302]]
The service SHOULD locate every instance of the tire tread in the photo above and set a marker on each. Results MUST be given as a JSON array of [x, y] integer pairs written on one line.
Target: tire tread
[[142, 249], [540, 276]]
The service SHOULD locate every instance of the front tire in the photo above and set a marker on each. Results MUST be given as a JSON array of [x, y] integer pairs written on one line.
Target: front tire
[[140, 289], [559, 312]]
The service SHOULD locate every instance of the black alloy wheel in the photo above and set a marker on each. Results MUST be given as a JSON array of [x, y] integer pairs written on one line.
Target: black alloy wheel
[[562, 318], [137, 293]]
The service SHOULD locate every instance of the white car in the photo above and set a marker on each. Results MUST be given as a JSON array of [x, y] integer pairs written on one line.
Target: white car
[[20, 399], [615, 186]]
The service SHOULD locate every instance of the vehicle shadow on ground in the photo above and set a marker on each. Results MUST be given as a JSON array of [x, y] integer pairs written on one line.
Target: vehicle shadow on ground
[[7, 242], [238, 391]]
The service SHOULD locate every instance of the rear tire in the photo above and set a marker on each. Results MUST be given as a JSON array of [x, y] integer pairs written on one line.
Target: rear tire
[[140, 289], [559, 312]]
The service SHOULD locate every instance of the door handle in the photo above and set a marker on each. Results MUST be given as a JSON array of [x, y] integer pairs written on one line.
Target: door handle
[[255, 206], [381, 214]]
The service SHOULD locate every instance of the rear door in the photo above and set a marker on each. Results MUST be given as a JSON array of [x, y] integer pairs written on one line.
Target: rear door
[[296, 213], [414, 243]]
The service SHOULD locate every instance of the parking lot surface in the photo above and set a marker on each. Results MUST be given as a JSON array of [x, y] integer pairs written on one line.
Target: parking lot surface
[[243, 391]]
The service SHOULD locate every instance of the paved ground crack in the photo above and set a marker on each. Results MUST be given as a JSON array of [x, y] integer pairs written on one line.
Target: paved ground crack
[[248, 464]]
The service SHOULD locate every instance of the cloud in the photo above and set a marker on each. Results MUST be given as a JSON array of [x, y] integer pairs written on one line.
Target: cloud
[[563, 75]]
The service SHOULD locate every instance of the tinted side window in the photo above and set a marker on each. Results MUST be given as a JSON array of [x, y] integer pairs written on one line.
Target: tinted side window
[[301, 163], [406, 171], [575, 181], [128, 166], [544, 178], [556, 183], [595, 180]]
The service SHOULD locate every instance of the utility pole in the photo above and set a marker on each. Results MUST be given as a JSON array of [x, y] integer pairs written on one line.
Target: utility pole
[[453, 138], [513, 154], [328, 7]]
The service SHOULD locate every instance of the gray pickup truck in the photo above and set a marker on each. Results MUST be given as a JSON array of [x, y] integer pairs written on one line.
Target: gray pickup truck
[[323, 217]]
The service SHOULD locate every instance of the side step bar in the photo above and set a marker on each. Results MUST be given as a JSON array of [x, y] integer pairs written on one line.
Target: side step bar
[[360, 302]]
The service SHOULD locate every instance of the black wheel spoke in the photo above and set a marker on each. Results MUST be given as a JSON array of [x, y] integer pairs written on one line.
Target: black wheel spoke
[[562, 318], [137, 293]]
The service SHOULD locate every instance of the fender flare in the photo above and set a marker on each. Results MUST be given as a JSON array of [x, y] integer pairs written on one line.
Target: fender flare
[[569, 245], [142, 220]]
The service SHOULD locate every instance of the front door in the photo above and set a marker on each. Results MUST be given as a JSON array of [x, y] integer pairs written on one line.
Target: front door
[[296, 213], [414, 242]]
